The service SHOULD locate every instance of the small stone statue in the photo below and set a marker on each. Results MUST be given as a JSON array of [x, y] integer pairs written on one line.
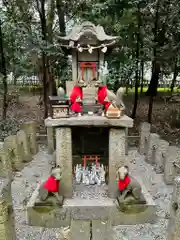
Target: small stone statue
[[113, 104], [76, 97], [61, 92], [102, 173], [128, 187], [92, 178], [87, 181], [51, 186], [78, 173], [84, 175], [97, 178]]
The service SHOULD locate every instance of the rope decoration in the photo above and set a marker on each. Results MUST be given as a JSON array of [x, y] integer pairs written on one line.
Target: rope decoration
[[88, 48]]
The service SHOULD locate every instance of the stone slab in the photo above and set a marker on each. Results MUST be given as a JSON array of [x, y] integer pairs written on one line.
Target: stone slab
[[101, 230], [83, 209], [80, 230], [86, 120]]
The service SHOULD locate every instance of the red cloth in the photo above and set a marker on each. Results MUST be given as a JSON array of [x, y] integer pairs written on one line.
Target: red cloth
[[102, 94], [122, 184], [76, 93], [52, 185]]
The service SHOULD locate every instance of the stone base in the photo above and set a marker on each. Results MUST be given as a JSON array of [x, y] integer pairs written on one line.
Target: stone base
[[52, 216]]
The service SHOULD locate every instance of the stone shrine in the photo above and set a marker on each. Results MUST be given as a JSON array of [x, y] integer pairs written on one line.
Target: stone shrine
[[86, 134], [87, 44]]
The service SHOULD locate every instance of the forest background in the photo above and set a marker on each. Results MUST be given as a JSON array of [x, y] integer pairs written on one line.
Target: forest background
[[32, 62]]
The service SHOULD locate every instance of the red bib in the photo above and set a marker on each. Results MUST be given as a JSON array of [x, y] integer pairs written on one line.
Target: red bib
[[76, 93], [52, 185], [102, 94], [122, 184]]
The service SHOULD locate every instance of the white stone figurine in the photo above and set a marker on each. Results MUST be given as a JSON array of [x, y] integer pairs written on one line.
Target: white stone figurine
[[97, 176], [78, 173], [92, 178], [87, 182], [60, 92], [102, 173], [84, 175], [97, 180]]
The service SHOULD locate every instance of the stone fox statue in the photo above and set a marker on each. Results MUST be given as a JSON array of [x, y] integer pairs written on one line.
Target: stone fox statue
[[51, 185], [108, 99], [127, 185], [76, 97], [60, 92]]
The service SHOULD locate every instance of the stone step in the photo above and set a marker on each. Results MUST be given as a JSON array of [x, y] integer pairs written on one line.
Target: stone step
[[101, 230], [80, 230]]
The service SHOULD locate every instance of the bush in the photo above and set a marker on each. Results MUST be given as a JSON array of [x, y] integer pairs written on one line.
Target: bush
[[8, 127]]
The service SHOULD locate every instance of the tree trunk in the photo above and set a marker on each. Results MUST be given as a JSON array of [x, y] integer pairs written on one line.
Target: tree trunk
[[151, 99], [62, 29], [61, 17], [49, 23], [4, 73], [142, 76], [152, 89], [175, 74], [41, 10], [137, 66]]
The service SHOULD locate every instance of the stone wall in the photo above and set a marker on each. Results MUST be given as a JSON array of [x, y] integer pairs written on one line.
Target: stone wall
[[164, 158], [16, 150]]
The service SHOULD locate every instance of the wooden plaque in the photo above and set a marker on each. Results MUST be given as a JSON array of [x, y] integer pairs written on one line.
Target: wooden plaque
[[60, 111]]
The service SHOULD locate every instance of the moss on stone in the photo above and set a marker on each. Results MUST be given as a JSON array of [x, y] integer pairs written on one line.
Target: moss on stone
[[44, 209]]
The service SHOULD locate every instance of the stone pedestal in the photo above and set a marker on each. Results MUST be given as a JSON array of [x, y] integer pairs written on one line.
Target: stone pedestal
[[170, 170], [12, 150], [152, 146], [30, 130], [144, 136], [117, 138], [50, 140], [117, 141], [64, 159]]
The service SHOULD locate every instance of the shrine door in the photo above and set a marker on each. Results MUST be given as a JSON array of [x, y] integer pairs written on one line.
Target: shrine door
[[88, 66]]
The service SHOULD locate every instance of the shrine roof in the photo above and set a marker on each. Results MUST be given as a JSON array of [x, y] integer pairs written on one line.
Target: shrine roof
[[88, 28]]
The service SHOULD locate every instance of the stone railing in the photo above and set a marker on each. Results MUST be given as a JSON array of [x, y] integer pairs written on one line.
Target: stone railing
[[158, 152], [7, 222], [17, 150], [173, 231]]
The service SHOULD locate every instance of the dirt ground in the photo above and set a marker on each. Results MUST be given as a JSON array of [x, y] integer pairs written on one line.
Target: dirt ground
[[28, 108]]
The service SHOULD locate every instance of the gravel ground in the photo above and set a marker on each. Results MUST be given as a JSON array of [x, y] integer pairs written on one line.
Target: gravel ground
[[26, 181]]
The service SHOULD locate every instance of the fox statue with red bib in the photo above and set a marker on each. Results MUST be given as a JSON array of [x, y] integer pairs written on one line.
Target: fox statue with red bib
[[128, 186], [76, 97], [52, 186], [113, 105]]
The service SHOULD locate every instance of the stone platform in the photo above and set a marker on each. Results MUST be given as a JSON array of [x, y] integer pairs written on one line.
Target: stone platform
[[86, 206], [93, 121]]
